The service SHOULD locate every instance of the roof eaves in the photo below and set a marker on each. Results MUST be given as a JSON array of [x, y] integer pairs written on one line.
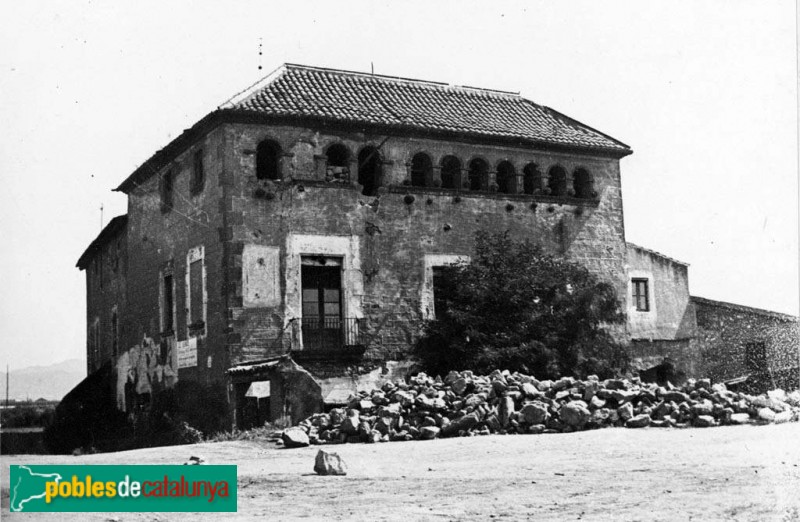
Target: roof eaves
[[746, 309], [109, 231], [625, 147], [658, 254], [163, 156]]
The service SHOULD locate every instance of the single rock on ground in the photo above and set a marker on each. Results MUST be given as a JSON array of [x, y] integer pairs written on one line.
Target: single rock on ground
[[329, 463], [295, 438]]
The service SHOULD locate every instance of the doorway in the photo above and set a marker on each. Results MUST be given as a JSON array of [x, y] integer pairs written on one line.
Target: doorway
[[321, 279]]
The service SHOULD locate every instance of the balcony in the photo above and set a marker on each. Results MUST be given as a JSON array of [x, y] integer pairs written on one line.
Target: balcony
[[332, 338]]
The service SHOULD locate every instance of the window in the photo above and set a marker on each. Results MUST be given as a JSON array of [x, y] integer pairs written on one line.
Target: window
[[583, 184], [532, 181], [167, 303], [640, 295], [557, 181], [478, 174], [195, 292], [321, 280], [338, 162], [421, 170], [166, 191], [439, 303], [451, 172], [198, 173], [114, 333], [369, 170], [506, 178], [268, 160], [756, 356]]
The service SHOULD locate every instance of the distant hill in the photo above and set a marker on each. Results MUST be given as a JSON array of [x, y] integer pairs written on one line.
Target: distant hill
[[48, 382]]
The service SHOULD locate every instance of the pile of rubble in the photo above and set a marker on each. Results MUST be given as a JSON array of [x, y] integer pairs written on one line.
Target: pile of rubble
[[464, 404]]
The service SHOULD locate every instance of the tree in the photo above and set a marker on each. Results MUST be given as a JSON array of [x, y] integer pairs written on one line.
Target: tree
[[516, 307]]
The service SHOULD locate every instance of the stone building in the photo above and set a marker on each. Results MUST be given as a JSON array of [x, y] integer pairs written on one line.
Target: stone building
[[283, 250]]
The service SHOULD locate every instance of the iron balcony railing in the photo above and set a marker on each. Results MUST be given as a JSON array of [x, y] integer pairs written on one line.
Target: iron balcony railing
[[331, 333]]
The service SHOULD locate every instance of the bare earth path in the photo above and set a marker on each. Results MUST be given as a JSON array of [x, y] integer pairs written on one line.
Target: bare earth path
[[727, 473]]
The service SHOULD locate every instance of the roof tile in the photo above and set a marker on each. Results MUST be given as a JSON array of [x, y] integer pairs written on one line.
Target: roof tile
[[296, 90]]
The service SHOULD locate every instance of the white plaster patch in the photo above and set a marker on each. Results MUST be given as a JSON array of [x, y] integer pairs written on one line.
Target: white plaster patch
[[141, 367], [261, 286], [426, 291]]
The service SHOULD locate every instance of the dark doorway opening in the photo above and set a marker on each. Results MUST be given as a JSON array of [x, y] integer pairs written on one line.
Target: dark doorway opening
[[252, 404], [322, 303], [369, 170]]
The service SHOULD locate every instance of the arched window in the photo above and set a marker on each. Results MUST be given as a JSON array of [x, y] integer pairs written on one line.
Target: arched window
[[583, 184], [268, 160], [557, 181], [506, 178], [338, 162], [532, 181], [478, 174], [421, 170], [369, 170], [451, 170]]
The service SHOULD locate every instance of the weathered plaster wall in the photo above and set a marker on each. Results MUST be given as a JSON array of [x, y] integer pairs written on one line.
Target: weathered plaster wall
[[159, 240], [392, 236], [145, 369], [671, 315]]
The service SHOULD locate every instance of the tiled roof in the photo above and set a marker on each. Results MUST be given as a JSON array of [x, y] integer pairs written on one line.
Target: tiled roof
[[344, 96], [109, 232]]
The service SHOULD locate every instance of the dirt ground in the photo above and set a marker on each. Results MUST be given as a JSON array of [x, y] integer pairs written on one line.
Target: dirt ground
[[726, 473]]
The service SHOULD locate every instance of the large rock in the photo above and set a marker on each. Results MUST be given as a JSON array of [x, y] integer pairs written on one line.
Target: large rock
[[704, 407], [766, 414], [429, 432], [534, 413], [674, 396], [639, 421], [530, 390], [463, 423], [740, 418], [704, 421], [575, 414], [295, 438], [625, 411], [328, 463], [505, 409], [459, 386]]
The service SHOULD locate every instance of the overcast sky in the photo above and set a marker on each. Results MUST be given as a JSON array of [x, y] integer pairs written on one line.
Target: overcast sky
[[704, 92]]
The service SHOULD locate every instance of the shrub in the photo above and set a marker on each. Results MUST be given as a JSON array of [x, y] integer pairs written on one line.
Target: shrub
[[520, 308]]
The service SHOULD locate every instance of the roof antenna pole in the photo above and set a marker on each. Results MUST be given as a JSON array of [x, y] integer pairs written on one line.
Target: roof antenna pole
[[260, 54], [372, 68]]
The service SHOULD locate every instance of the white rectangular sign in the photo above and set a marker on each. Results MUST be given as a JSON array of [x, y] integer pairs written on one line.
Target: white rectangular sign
[[187, 353]]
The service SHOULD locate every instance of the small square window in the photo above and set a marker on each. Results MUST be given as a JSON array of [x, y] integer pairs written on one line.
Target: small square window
[[641, 297]]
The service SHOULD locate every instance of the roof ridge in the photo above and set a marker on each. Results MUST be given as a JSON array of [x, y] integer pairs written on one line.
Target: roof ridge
[[253, 88], [295, 66]]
